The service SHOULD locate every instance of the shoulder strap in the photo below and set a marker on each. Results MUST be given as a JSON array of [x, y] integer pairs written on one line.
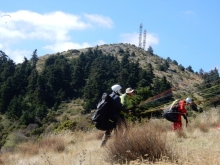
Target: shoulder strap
[[173, 104], [113, 95]]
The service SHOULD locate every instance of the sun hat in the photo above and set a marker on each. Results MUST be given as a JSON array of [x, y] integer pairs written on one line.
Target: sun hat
[[129, 90]]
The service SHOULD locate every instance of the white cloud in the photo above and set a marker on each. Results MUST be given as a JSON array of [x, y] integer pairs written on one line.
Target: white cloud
[[25, 24], [133, 38], [7, 34], [100, 42], [100, 20], [59, 47], [51, 29], [18, 55]]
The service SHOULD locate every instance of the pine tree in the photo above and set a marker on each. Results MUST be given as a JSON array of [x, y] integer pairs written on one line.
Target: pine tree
[[150, 50], [7, 67], [14, 110], [34, 58], [189, 68]]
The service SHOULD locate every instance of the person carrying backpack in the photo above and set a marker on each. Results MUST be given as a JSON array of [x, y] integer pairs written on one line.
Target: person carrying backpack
[[177, 125], [116, 92]]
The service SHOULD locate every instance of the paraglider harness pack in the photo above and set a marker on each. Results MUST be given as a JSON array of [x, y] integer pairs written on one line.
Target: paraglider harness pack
[[105, 117], [171, 112]]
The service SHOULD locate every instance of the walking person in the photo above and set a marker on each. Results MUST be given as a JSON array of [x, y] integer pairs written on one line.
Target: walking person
[[116, 92], [182, 112]]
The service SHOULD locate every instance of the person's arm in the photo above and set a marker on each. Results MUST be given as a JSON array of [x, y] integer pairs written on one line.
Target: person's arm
[[183, 111], [184, 116], [119, 105]]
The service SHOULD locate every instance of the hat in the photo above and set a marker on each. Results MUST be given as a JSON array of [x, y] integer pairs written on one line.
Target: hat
[[129, 90]]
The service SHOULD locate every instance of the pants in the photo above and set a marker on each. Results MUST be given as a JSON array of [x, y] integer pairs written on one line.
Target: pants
[[177, 126], [106, 136], [121, 124]]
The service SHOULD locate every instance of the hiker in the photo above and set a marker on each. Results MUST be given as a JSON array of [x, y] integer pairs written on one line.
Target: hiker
[[126, 100], [116, 92], [181, 109]]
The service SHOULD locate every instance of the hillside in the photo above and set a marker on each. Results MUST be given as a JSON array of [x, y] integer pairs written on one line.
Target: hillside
[[56, 92], [183, 82]]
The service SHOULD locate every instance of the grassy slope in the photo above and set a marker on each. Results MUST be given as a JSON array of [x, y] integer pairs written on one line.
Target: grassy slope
[[198, 144]]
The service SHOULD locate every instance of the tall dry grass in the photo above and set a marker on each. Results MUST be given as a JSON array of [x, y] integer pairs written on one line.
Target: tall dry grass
[[147, 143]]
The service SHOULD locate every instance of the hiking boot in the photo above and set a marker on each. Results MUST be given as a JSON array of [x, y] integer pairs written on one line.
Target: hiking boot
[[104, 139]]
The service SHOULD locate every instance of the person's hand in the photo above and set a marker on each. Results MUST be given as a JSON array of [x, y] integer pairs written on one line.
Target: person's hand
[[184, 116]]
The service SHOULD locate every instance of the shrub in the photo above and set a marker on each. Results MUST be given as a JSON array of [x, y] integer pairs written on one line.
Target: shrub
[[146, 142], [181, 134], [203, 127], [67, 125], [37, 131], [55, 143], [12, 140]]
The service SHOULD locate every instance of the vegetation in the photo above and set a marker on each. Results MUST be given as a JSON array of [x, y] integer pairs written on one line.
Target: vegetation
[[44, 96], [197, 144]]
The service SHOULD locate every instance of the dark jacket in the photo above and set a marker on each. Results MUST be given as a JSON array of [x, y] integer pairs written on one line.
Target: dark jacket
[[117, 102]]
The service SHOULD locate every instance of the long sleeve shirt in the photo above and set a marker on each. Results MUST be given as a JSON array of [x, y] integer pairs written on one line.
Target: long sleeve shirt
[[126, 101], [117, 102], [181, 109]]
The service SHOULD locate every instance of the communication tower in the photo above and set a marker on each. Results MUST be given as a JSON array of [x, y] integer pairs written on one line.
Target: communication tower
[[144, 42], [140, 35]]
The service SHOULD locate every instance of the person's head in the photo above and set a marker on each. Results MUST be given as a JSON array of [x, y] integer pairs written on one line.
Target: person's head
[[116, 88], [129, 91], [188, 100]]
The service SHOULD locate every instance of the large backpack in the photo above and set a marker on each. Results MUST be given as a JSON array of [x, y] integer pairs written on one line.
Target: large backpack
[[171, 112], [105, 116]]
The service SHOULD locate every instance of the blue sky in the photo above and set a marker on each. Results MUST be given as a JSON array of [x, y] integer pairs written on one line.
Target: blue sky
[[185, 31]]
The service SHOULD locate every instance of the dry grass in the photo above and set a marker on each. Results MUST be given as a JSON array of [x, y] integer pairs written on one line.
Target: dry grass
[[146, 142], [50, 143], [153, 141]]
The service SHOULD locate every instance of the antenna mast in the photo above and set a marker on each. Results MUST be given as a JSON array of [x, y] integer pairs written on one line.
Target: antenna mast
[[144, 42], [140, 35]]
